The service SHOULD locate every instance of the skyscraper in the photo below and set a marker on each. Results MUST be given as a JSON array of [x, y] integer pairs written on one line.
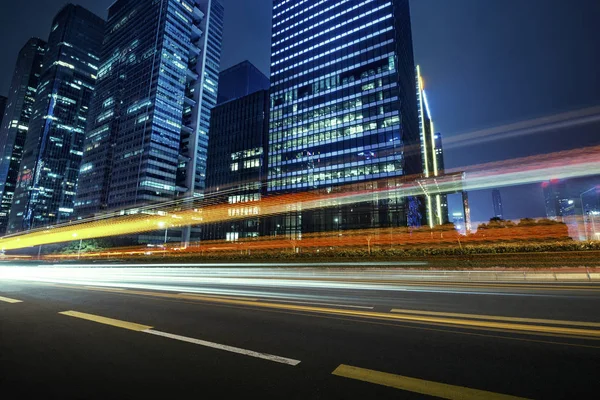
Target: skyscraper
[[556, 199], [343, 108], [48, 174], [147, 137], [236, 162], [241, 80], [14, 127], [590, 200], [497, 202], [432, 155]]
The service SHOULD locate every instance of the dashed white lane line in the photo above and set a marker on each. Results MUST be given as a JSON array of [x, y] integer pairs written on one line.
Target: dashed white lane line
[[231, 349], [148, 329]]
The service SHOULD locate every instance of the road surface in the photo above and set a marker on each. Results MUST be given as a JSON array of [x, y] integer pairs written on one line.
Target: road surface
[[292, 334]]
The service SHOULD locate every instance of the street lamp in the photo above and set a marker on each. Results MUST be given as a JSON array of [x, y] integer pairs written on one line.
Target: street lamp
[[80, 241], [161, 225]]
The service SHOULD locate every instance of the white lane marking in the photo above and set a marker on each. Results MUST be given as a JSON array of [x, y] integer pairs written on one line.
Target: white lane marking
[[250, 353], [319, 304]]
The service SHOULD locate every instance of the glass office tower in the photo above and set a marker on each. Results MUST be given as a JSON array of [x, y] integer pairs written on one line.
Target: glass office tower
[[343, 109], [48, 174], [148, 134], [19, 110]]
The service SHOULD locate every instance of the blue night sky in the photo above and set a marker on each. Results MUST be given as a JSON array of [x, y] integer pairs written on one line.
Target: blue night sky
[[486, 63]]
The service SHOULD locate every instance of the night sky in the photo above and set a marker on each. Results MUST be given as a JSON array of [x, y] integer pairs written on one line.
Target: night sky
[[486, 63]]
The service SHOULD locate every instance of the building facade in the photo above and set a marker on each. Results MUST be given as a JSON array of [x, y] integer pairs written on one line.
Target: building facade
[[15, 125], [241, 80], [236, 164], [343, 109], [46, 185], [497, 203], [147, 139]]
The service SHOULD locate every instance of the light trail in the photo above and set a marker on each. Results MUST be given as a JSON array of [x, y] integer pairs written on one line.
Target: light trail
[[563, 120], [561, 165]]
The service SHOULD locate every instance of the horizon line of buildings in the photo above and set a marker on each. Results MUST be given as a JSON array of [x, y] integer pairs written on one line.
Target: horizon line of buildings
[[133, 111]]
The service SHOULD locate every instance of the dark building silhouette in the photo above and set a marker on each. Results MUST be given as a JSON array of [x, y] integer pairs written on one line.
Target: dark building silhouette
[[241, 80], [497, 202], [236, 164], [343, 110], [3, 100], [14, 127], [46, 185]]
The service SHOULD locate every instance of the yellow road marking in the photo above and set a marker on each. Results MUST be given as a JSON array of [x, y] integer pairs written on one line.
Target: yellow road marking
[[191, 296], [7, 300], [499, 318], [463, 323], [462, 284], [203, 296], [420, 386], [107, 321]]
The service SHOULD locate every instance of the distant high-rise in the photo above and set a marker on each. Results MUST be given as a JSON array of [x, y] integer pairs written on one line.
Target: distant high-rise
[[14, 127], [459, 222], [343, 109], [432, 155], [147, 137], [241, 80], [439, 152], [590, 201], [236, 163], [556, 199], [48, 174], [497, 202]]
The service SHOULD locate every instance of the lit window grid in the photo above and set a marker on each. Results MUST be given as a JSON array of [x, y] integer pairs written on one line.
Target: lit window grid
[[344, 175], [278, 131], [367, 129], [330, 40], [315, 129], [276, 84], [355, 22], [276, 158], [277, 112], [345, 11], [331, 51], [300, 12], [342, 106]]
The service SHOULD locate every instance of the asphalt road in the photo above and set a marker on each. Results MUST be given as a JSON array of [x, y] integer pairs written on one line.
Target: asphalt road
[[292, 334]]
